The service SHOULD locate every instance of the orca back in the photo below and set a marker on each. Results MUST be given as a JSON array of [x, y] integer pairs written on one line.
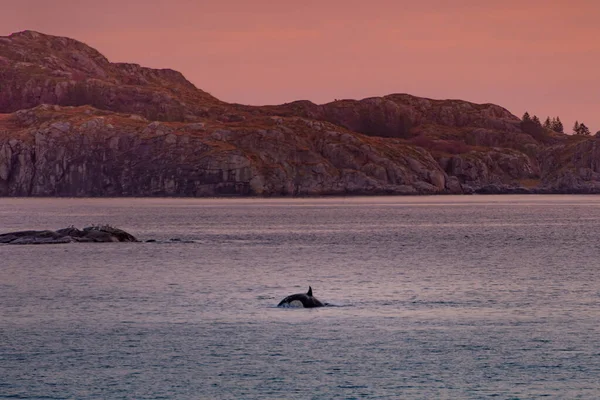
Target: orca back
[[307, 300]]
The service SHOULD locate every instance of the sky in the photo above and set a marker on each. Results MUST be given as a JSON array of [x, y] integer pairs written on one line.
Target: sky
[[540, 56]]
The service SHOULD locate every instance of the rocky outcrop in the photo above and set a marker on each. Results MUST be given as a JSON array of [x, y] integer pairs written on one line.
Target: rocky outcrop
[[400, 115], [573, 167], [56, 151], [95, 234], [75, 124], [42, 69]]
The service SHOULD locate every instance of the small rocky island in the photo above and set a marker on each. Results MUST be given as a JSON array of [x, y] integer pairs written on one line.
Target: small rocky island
[[97, 233]]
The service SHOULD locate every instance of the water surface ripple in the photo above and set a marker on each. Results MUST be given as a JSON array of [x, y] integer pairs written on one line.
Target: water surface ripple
[[436, 297]]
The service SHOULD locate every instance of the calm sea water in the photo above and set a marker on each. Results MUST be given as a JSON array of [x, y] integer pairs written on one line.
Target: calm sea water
[[434, 297]]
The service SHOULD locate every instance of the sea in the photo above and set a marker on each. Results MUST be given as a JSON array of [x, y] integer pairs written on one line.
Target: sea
[[447, 297]]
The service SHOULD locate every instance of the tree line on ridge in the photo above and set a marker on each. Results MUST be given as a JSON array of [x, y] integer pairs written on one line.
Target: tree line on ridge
[[532, 125]]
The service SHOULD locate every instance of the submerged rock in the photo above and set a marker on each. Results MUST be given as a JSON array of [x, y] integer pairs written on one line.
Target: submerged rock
[[98, 234]]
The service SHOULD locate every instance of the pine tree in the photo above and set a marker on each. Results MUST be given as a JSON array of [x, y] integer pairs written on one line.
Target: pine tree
[[532, 126], [581, 129], [547, 123], [557, 126], [584, 130]]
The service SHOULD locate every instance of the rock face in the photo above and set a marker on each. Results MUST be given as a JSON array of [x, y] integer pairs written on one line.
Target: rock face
[[67, 235], [56, 151], [75, 124], [396, 115], [37, 69]]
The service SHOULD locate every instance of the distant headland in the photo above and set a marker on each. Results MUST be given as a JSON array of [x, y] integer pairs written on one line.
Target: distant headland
[[74, 124]]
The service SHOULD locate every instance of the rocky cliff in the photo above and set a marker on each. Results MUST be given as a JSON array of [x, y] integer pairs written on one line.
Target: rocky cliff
[[82, 151], [74, 124]]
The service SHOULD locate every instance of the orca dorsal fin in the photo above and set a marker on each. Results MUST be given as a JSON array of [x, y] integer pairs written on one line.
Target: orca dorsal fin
[[309, 293]]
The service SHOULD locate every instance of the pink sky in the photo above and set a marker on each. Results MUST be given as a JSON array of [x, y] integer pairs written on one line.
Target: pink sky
[[537, 55]]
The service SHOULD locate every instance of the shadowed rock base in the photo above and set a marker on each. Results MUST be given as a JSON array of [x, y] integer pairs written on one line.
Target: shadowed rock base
[[98, 234]]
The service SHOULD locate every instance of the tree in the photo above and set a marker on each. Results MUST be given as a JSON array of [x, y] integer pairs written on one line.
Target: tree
[[548, 123], [526, 117], [533, 127], [584, 130], [581, 129], [557, 126]]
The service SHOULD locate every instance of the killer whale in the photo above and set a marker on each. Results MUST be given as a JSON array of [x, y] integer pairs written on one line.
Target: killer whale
[[306, 300]]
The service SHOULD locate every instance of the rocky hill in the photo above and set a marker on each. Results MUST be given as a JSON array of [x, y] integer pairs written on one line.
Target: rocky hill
[[74, 124], [37, 69]]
